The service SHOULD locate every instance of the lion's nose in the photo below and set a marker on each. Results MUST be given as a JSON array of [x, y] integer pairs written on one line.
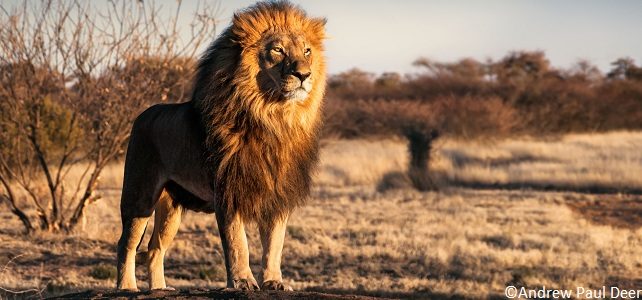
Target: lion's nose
[[301, 75]]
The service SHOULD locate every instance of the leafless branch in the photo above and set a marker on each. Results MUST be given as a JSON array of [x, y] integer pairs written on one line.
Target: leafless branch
[[74, 77]]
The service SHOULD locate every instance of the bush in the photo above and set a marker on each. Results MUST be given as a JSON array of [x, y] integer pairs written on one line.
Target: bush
[[214, 273], [103, 272], [465, 117], [519, 94]]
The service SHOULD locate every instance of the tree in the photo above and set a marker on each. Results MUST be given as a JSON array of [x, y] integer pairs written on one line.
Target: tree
[[73, 79], [353, 83], [466, 68], [433, 67], [625, 68], [388, 80], [352, 79], [585, 71], [521, 67]]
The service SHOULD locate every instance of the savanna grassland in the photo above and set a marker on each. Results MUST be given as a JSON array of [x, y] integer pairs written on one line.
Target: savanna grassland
[[559, 212]]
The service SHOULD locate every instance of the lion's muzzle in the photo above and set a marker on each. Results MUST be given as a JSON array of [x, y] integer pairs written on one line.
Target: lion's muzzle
[[297, 87], [297, 81]]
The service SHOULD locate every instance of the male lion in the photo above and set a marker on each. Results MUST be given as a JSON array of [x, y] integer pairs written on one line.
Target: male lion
[[242, 148]]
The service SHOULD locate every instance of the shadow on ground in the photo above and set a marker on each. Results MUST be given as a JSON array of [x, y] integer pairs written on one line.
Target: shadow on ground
[[547, 187], [311, 293], [379, 294], [622, 211], [208, 294]]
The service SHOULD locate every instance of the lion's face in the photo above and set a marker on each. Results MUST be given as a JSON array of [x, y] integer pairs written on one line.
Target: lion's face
[[286, 63]]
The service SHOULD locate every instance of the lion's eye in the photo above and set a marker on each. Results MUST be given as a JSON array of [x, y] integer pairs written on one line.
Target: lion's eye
[[277, 50], [307, 51]]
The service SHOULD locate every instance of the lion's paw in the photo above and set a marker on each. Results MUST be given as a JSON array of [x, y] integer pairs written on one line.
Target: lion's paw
[[167, 288], [276, 285], [246, 284]]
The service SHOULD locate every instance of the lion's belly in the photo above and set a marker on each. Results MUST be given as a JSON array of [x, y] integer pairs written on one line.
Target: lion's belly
[[192, 196]]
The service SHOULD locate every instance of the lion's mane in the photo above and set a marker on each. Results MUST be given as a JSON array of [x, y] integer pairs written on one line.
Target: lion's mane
[[260, 151]]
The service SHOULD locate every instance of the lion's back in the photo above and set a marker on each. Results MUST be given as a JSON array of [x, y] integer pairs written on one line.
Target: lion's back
[[169, 128]]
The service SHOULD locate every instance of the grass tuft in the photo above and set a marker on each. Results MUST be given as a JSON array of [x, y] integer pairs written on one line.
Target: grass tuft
[[104, 272]]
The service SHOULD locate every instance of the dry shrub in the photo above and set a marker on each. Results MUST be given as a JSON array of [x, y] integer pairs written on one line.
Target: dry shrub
[[103, 272], [395, 181], [212, 273], [520, 93], [476, 118], [72, 79], [467, 117], [619, 105]]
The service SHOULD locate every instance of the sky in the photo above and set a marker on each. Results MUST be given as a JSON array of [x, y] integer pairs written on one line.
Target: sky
[[388, 35], [385, 35]]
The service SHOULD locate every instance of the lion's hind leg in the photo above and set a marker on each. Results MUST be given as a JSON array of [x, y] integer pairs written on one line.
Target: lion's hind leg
[[133, 230], [141, 191], [166, 222]]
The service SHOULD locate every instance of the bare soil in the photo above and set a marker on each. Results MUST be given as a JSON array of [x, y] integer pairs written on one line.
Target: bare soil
[[210, 294], [622, 211]]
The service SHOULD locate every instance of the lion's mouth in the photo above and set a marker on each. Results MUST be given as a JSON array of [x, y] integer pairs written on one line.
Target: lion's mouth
[[297, 94]]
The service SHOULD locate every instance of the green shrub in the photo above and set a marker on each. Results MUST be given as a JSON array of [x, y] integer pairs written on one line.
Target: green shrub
[[213, 273], [103, 272]]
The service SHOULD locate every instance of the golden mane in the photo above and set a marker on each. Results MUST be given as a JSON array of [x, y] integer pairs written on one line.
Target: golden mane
[[259, 149]]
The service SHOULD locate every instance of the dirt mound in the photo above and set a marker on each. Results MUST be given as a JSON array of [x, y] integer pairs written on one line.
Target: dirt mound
[[207, 294]]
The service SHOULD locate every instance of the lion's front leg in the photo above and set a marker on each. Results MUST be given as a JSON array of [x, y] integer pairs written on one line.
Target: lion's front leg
[[272, 238], [237, 257]]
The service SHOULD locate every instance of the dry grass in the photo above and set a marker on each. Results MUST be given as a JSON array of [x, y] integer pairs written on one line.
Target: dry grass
[[574, 162], [399, 243], [578, 161]]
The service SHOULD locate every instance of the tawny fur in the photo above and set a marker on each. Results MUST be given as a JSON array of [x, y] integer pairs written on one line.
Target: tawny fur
[[243, 147]]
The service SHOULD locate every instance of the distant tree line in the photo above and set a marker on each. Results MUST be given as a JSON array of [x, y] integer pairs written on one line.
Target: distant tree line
[[519, 94]]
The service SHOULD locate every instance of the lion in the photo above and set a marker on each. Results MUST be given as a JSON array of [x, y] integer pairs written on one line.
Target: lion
[[242, 148]]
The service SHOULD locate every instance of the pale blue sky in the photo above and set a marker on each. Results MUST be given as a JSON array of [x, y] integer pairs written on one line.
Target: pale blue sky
[[384, 35], [387, 35]]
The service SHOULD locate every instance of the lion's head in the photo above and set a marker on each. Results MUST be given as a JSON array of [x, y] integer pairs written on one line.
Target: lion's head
[[259, 90], [271, 59], [282, 49], [286, 66]]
